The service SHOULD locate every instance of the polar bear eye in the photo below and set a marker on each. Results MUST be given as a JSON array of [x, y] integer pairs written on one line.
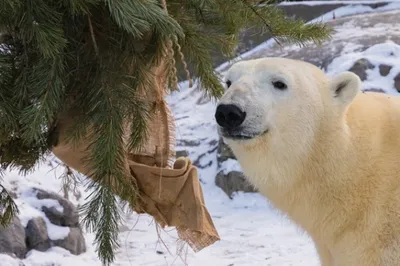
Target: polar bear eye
[[279, 85], [228, 83]]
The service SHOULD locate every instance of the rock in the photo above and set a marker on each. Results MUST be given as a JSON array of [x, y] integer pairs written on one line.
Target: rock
[[213, 142], [375, 90], [203, 99], [68, 217], [360, 68], [384, 69], [232, 182], [189, 143], [224, 152], [124, 228], [200, 163], [12, 239], [181, 153], [12, 194], [397, 82], [74, 242], [36, 235], [37, 230]]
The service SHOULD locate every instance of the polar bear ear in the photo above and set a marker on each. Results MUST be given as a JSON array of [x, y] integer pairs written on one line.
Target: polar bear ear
[[345, 87]]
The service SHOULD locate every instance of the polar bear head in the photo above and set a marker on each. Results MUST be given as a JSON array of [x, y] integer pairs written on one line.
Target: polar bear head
[[279, 102]]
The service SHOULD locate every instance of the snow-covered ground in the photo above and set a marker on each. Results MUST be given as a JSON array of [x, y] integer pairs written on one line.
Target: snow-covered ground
[[332, 2], [252, 232], [355, 8]]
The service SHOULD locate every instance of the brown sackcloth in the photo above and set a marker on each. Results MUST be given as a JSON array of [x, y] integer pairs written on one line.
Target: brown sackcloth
[[172, 194], [177, 201]]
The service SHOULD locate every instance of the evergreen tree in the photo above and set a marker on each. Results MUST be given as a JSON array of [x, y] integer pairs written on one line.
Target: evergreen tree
[[52, 51]]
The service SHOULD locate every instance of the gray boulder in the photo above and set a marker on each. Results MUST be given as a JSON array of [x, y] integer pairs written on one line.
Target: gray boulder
[[12, 239], [68, 217], [224, 152], [37, 235], [360, 68], [397, 82], [232, 182], [384, 69], [16, 241], [74, 242], [181, 153], [375, 90]]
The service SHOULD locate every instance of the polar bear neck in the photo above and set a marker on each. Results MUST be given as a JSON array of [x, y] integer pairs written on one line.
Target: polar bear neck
[[295, 179]]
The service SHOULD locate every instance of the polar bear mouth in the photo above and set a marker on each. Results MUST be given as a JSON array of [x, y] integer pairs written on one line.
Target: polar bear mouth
[[242, 135]]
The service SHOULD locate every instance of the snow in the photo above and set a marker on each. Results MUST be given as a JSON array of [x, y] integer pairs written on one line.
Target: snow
[[355, 9], [252, 231], [385, 53], [333, 2], [230, 165], [30, 206], [337, 13], [45, 177], [8, 261]]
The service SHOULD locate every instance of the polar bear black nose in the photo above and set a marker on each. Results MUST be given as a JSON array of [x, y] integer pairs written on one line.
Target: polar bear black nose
[[229, 116]]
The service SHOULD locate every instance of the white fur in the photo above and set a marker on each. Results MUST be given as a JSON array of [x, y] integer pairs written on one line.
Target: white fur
[[327, 159]]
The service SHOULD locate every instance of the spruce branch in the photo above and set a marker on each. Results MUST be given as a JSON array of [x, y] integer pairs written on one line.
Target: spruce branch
[[47, 77], [103, 211], [79, 7], [70, 181], [16, 154], [134, 17], [96, 49], [288, 30], [8, 208], [109, 174], [262, 19], [8, 108], [139, 115]]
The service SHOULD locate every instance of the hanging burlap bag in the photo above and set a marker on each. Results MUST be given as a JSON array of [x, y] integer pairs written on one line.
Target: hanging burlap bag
[[169, 191]]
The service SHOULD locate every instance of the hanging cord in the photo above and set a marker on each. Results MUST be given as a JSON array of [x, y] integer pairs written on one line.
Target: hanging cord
[[185, 66], [171, 53]]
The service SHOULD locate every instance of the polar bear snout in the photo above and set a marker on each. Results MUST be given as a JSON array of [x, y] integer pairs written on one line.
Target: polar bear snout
[[229, 116]]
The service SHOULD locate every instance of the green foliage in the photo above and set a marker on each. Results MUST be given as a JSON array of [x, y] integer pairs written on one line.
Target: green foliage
[[8, 208], [213, 26], [103, 211], [87, 58]]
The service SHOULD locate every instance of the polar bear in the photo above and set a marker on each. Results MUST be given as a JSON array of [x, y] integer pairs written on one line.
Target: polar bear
[[323, 152]]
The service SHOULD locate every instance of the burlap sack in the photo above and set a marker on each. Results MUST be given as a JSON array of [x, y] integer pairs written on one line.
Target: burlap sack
[[171, 193], [174, 198]]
